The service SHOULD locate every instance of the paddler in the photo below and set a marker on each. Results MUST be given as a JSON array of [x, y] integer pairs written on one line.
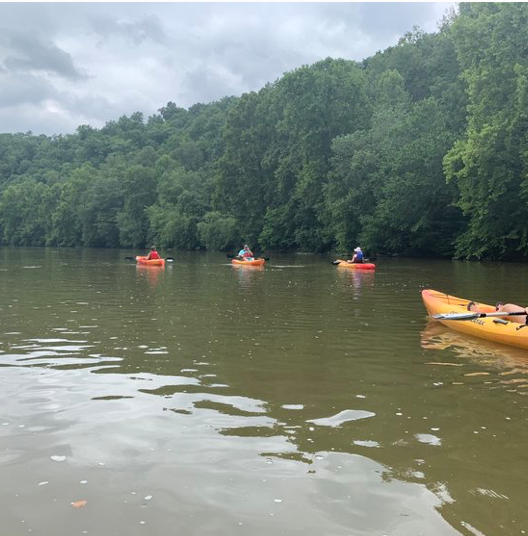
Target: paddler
[[245, 254], [358, 256], [505, 308], [153, 254]]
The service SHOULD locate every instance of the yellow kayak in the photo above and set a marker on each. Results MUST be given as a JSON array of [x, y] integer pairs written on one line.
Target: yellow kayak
[[493, 328], [254, 262]]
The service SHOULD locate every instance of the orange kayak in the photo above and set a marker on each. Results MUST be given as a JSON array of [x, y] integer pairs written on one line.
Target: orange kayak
[[254, 262], [152, 262], [492, 328], [356, 265]]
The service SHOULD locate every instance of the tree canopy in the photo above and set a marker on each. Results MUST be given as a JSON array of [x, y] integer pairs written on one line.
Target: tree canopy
[[421, 149]]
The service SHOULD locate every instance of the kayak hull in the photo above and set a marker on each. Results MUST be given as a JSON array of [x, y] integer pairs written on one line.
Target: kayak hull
[[152, 262], [254, 262], [490, 328], [357, 265]]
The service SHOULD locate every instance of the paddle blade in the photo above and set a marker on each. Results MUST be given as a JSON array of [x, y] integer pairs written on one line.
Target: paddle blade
[[456, 316], [129, 259], [230, 256], [169, 259]]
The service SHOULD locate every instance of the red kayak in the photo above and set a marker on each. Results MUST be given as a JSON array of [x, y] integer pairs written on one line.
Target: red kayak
[[152, 262], [355, 265]]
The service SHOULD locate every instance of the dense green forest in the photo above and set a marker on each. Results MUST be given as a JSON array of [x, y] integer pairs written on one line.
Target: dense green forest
[[421, 149]]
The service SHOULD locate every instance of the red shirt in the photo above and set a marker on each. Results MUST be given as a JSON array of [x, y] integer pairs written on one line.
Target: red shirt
[[153, 255]]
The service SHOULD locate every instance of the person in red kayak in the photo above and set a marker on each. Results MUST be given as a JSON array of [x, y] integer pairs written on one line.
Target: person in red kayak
[[245, 254], [153, 254], [358, 257]]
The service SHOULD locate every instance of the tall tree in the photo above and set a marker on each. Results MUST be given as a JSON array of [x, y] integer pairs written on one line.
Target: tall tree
[[489, 164]]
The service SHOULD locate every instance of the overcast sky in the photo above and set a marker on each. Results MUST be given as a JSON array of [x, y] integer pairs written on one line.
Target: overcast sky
[[67, 64]]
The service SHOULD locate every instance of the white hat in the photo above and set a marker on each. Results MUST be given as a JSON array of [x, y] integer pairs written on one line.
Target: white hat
[[357, 249]]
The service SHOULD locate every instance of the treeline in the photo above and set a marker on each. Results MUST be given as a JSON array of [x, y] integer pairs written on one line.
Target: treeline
[[421, 149]]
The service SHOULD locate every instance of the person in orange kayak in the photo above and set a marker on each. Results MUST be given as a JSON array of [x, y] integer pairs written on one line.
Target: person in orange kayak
[[153, 254], [245, 253], [505, 308], [358, 256]]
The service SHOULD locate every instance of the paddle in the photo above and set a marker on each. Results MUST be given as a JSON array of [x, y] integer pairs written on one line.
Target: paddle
[[473, 315]]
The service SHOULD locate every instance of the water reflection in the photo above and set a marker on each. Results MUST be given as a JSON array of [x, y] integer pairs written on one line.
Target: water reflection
[[248, 275], [57, 353], [512, 363], [150, 273], [357, 280]]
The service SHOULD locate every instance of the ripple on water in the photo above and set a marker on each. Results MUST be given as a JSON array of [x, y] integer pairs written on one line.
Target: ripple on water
[[429, 439], [293, 406], [340, 418], [366, 443]]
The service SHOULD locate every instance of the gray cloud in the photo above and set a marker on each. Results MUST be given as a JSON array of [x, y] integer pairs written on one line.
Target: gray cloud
[[29, 52], [25, 88], [68, 64]]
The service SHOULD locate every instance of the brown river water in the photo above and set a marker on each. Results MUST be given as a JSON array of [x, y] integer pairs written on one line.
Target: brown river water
[[297, 399]]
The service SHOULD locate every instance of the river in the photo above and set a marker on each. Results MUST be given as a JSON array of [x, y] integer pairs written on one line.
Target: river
[[206, 399]]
